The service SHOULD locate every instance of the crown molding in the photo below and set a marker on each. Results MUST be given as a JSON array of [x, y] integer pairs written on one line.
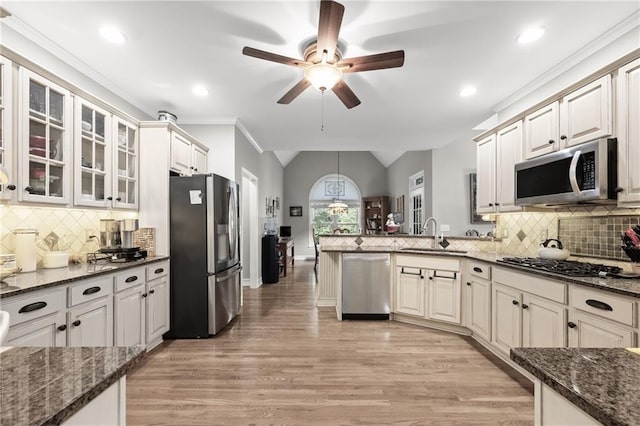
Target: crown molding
[[614, 33], [249, 137]]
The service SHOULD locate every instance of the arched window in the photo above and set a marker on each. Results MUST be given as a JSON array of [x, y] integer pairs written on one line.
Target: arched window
[[327, 189]]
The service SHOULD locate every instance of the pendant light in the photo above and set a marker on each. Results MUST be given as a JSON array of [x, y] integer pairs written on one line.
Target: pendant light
[[338, 207]]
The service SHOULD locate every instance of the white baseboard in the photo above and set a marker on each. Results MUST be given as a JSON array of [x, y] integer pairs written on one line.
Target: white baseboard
[[326, 302]]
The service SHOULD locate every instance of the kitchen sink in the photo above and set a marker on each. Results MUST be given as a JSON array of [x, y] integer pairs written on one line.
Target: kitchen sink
[[433, 250]]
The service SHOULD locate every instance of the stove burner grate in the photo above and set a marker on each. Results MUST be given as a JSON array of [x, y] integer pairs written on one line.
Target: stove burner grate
[[563, 267]]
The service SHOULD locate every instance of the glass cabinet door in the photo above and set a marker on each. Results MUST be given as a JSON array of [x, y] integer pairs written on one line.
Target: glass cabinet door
[[6, 107], [44, 140], [126, 164], [92, 166]]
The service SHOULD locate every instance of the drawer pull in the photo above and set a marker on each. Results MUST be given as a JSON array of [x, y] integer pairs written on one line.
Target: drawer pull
[[476, 269], [131, 279], [158, 271], [599, 305], [435, 275], [32, 307], [419, 274], [91, 290], [76, 323], [63, 327]]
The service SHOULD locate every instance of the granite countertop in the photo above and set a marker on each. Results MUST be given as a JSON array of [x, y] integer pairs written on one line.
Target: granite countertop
[[625, 286], [601, 382], [44, 278], [449, 237], [48, 385]]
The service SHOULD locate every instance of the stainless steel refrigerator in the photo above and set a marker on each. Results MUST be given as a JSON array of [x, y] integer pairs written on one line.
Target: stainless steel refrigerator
[[205, 255]]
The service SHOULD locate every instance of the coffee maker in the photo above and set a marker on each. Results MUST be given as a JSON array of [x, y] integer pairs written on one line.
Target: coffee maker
[[116, 240]]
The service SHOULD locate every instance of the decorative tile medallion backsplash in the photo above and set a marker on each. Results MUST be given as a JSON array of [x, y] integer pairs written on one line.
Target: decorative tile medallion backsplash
[[71, 224]]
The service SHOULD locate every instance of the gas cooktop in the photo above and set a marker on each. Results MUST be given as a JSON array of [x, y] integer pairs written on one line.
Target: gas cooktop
[[570, 268]]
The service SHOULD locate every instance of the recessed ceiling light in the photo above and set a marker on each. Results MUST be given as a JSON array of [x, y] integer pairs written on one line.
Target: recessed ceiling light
[[530, 35], [113, 35], [468, 91], [200, 91]]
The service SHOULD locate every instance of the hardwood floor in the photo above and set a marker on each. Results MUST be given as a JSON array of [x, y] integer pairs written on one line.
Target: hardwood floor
[[284, 361]]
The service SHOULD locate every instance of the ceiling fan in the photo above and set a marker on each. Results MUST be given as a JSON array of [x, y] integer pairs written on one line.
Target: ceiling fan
[[323, 63]]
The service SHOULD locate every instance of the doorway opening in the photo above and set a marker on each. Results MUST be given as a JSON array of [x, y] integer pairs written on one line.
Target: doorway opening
[[250, 232]]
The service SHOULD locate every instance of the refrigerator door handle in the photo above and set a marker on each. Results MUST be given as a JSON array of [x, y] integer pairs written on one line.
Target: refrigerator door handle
[[232, 272]]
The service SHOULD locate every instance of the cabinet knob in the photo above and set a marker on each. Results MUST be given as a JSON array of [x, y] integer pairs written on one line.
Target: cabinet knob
[[563, 138], [619, 189], [76, 323], [515, 302], [196, 169], [551, 141], [119, 199], [63, 327], [11, 187], [490, 204], [571, 324], [109, 198], [151, 291], [28, 188], [497, 204], [525, 306], [144, 294], [469, 284]]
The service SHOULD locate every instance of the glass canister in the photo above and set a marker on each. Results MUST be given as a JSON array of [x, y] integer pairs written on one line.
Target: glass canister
[[26, 249]]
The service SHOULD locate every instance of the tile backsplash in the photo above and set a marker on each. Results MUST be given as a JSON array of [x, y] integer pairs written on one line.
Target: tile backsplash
[[70, 225], [522, 233]]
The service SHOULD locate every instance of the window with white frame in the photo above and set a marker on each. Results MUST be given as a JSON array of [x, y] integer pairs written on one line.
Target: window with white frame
[[324, 192], [416, 202]]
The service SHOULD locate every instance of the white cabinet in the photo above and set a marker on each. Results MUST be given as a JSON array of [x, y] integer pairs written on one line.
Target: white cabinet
[[180, 155], [49, 330], [198, 159], [478, 300], [444, 296], [541, 131], [496, 157], [126, 165], [44, 140], [187, 157], [91, 324], [580, 116], [6, 127], [543, 323], [628, 133], [533, 318], [586, 114], [428, 287], [410, 291], [589, 331], [93, 150], [157, 310], [129, 316]]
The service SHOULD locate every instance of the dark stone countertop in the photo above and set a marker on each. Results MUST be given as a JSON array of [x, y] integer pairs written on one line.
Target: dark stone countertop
[[48, 385], [45, 278], [386, 235], [601, 382], [624, 286]]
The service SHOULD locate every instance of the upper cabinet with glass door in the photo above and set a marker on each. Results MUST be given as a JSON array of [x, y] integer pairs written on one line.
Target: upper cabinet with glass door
[[92, 166], [44, 141], [6, 142], [126, 164]]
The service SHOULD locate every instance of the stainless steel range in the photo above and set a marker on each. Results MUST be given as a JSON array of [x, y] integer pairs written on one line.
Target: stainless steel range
[[570, 268]]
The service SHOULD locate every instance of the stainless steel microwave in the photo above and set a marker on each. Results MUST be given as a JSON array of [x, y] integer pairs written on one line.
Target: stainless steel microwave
[[585, 173]]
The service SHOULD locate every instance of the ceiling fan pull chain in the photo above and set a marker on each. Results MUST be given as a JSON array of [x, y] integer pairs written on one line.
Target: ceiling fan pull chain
[[322, 115]]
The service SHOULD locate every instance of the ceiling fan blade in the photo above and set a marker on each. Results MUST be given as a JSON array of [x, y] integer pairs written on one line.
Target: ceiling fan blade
[[273, 57], [294, 91], [329, 27], [373, 62], [346, 95]]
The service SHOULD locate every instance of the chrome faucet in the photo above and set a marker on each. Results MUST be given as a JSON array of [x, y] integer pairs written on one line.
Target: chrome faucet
[[435, 229]]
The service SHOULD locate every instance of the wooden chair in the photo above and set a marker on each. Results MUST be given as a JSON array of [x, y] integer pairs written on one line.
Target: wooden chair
[[315, 246]]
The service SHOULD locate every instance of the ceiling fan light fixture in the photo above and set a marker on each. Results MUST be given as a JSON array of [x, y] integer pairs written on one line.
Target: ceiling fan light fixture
[[323, 76]]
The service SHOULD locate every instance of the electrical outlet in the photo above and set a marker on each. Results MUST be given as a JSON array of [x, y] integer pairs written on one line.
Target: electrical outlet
[[90, 233], [444, 228], [505, 233], [544, 234]]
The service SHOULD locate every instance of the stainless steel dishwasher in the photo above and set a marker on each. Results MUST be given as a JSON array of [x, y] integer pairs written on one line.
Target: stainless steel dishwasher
[[366, 285]]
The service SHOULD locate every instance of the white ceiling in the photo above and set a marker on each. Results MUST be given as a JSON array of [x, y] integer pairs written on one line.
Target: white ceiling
[[173, 45]]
